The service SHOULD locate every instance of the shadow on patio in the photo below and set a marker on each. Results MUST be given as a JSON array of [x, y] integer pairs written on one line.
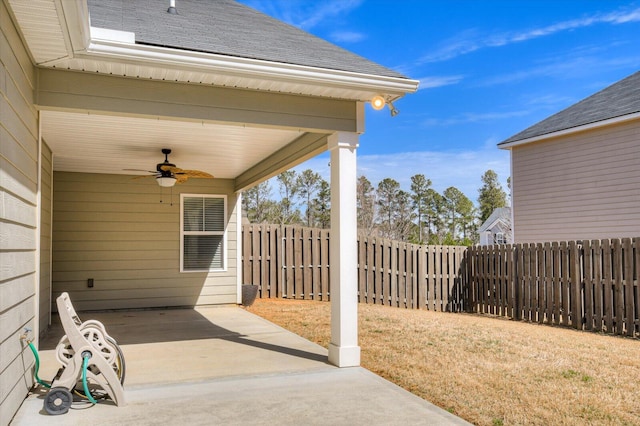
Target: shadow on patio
[[175, 345], [224, 365]]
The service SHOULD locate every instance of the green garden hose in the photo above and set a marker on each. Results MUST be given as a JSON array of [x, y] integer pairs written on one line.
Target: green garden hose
[[35, 355], [85, 365]]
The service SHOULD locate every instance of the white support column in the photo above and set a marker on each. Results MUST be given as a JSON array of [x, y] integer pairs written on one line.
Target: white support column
[[343, 258]]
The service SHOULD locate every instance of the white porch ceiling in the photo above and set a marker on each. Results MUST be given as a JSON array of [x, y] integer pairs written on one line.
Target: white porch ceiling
[[90, 143]]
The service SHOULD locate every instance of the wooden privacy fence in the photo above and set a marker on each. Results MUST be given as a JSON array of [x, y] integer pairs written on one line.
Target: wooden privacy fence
[[293, 262], [590, 285]]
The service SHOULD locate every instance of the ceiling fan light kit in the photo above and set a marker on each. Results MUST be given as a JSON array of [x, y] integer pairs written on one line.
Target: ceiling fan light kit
[[166, 182]]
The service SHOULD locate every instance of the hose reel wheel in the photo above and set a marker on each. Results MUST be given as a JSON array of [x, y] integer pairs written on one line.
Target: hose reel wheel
[[58, 401], [101, 342]]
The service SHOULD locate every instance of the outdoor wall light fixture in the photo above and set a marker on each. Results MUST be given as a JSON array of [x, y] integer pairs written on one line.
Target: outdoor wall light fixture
[[165, 181], [393, 110], [378, 102]]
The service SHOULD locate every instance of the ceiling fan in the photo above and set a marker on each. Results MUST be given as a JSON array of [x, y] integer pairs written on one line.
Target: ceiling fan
[[167, 174]]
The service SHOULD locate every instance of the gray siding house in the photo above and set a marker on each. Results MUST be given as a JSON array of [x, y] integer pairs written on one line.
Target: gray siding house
[[90, 90], [497, 228], [575, 175]]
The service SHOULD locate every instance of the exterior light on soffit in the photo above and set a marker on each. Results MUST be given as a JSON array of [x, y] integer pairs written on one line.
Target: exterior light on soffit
[[378, 102]]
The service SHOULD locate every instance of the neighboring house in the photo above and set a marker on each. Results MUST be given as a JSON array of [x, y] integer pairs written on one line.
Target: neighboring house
[[90, 89], [576, 175], [497, 228]]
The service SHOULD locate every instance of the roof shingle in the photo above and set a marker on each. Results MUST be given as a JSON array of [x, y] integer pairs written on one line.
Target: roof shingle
[[228, 28], [619, 99]]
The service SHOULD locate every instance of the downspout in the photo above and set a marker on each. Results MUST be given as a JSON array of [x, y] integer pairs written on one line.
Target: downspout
[[38, 230], [50, 301]]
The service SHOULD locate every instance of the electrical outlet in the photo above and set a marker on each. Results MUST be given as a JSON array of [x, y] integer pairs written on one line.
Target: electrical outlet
[[90, 283]]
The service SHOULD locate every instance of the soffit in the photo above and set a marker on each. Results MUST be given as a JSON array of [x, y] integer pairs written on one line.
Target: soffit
[[40, 24], [90, 143]]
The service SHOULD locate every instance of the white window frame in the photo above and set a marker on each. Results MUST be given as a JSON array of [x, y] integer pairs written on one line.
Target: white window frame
[[225, 260], [500, 238]]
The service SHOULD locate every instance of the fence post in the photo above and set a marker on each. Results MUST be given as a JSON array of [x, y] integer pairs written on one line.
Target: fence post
[[617, 289], [574, 265], [517, 280]]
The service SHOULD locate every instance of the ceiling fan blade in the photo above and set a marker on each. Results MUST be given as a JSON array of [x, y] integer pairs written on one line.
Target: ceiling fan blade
[[139, 170], [172, 169], [196, 174], [180, 178]]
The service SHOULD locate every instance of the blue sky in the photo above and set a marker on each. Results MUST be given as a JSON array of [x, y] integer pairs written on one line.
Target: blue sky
[[487, 70]]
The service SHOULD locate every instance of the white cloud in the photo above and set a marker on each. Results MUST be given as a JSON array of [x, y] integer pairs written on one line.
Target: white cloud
[[347, 36], [472, 117], [470, 41], [304, 14], [431, 82], [462, 169], [568, 66]]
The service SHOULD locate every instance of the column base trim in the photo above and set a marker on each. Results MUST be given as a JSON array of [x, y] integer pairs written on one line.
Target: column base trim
[[344, 356]]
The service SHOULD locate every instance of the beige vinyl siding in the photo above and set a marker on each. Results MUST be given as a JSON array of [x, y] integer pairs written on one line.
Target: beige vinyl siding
[[114, 229], [46, 182], [581, 186], [18, 215]]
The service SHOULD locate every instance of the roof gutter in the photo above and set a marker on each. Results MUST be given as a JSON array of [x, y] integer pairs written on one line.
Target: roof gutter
[[250, 68], [577, 129]]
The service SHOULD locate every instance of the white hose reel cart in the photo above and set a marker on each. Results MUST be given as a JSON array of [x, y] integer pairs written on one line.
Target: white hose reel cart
[[87, 354]]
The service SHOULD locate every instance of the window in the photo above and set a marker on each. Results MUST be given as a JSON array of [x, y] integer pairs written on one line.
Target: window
[[500, 238], [203, 237]]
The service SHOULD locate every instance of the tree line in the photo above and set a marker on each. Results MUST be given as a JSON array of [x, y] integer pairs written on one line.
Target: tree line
[[420, 215]]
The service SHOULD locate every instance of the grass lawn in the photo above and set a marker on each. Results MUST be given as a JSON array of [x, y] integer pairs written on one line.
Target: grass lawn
[[489, 371]]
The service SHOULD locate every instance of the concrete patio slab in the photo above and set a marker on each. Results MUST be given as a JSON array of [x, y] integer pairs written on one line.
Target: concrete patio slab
[[224, 365]]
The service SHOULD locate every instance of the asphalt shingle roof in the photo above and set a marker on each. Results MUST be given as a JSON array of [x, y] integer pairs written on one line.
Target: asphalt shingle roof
[[228, 28], [503, 213], [619, 99]]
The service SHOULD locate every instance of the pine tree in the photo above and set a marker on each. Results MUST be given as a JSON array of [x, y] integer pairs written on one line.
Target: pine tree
[[257, 203], [321, 206], [387, 194], [286, 212], [308, 184], [491, 195], [459, 211], [366, 206], [420, 187]]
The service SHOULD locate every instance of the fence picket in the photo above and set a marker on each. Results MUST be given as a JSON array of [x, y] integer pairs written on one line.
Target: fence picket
[[324, 258], [608, 285], [362, 270], [629, 316], [371, 292], [588, 284], [636, 284], [379, 271], [597, 285], [540, 302], [276, 262], [618, 303]]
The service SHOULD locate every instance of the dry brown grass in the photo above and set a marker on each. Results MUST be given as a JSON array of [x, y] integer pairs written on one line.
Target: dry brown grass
[[489, 371]]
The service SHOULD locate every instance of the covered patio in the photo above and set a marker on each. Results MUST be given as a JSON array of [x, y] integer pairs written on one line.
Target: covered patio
[[93, 91], [225, 365]]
